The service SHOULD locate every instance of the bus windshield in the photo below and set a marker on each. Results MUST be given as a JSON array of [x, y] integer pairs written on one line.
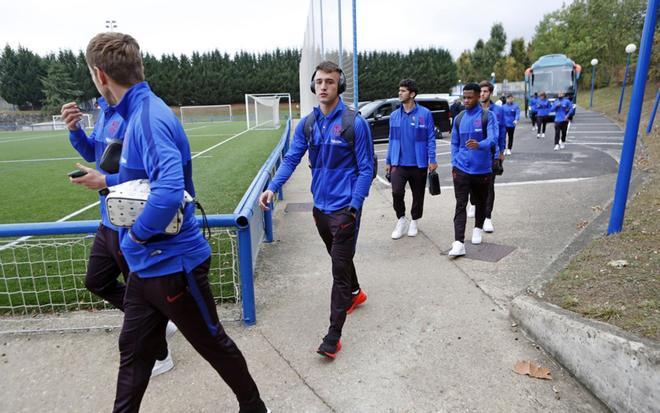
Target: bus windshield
[[552, 80]]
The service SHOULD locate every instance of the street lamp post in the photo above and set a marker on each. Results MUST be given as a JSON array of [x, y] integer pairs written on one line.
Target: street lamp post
[[111, 25], [492, 78], [460, 87], [630, 49], [594, 62]]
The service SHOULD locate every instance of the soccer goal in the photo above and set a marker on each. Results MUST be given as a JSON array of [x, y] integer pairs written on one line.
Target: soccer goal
[[85, 121], [207, 114], [262, 110]]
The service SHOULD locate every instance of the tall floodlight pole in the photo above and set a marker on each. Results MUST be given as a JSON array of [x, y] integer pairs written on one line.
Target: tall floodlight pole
[[632, 121], [341, 47], [630, 49], [111, 25], [594, 62], [355, 58]]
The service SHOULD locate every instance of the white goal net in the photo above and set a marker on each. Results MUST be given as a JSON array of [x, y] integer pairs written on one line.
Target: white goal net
[[85, 121], [206, 114], [263, 110]]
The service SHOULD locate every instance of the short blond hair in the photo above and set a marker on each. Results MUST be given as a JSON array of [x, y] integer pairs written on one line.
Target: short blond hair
[[118, 55]]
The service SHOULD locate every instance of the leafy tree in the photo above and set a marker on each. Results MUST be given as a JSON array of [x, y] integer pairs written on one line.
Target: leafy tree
[[58, 88], [20, 75]]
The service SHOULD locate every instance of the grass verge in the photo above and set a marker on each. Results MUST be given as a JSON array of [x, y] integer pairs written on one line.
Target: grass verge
[[625, 295]]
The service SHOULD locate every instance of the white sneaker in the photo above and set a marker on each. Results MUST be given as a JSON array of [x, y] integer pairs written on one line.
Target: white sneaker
[[400, 229], [170, 330], [412, 228], [543, 135], [163, 366], [507, 152], [471, 211], [562, 145], [488, 225], [476, 236], [556, 147], [538, 135], [457, 249]]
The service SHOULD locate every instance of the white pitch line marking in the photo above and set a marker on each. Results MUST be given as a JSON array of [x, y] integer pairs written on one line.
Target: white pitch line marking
[[39, 160]]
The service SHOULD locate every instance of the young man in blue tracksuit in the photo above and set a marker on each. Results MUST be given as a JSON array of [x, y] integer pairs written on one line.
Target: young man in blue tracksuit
[[532, 109], [341, 177], [169, 273], [106, 261], [472, 165], [498, 151], [511, 118], [562, 108], [410, 154], [543, 106]]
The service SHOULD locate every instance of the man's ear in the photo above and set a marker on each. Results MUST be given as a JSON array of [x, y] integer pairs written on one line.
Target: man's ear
[[101, 76]]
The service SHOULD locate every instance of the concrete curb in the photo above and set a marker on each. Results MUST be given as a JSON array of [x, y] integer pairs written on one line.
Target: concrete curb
[[619, 368]]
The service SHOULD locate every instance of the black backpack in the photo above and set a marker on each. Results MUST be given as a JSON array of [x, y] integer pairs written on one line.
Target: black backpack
[[347, 132], [497, 164]]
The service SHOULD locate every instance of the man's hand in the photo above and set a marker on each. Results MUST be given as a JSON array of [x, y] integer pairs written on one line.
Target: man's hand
[[387, 168], [265, 199], [472, 144], [71, 115], [433, 167], [501, 156], [515, 122], [92, 180]]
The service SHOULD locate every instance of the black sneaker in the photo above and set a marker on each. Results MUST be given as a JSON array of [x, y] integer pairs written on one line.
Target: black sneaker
[[329, 349]]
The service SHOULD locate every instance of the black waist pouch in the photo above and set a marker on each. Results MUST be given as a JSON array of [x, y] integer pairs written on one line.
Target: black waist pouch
[[110, 158]]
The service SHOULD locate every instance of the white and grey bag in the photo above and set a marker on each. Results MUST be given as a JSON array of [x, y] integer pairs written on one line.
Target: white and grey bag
[[125, 202]]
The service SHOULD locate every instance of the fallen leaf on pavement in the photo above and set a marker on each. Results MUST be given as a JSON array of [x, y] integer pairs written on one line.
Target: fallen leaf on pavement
[[532, 370]]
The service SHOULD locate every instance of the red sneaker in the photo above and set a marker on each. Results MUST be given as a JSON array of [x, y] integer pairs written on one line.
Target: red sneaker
[[329, 350], [358, 299]]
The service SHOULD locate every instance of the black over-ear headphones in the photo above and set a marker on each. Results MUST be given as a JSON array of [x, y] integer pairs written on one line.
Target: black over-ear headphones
[[341, 88]]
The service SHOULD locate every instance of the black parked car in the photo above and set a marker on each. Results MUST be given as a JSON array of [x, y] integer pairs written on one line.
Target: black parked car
[[377, 114]]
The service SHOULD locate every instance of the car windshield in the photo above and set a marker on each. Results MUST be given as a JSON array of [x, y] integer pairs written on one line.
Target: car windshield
[[368, 109]]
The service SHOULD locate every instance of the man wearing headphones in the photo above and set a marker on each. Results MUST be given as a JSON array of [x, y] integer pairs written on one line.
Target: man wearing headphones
[[342, 170]]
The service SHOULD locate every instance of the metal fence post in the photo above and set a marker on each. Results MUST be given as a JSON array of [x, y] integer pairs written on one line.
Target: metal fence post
[[245, 270]]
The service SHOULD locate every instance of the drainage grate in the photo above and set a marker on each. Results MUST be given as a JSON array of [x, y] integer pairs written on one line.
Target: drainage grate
[[299, 207], [485, 251]]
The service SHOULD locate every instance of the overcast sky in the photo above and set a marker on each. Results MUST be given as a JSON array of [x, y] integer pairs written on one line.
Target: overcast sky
[[182, 26]]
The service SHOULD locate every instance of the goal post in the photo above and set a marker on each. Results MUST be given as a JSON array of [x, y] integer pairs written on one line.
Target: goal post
[[85, 122], [263, 110], [205, 113]]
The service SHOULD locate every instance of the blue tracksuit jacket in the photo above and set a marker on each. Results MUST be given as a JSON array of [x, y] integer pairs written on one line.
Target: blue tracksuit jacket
[[156, 148], [511, 113], [543, 107], [474, 161], [532, 104], [341, 173], [413, 134], [562, 108], [501, 128], [109, 127]]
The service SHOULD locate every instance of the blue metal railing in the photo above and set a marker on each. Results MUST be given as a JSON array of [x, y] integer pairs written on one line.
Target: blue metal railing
[[251, 224]]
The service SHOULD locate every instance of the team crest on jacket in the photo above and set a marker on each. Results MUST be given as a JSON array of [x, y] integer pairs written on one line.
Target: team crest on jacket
[[477, 123], [336, 130], [421, 121], [114, 126]]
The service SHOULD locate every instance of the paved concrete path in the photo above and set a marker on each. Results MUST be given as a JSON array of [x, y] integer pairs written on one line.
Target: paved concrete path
[[434, 335]]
